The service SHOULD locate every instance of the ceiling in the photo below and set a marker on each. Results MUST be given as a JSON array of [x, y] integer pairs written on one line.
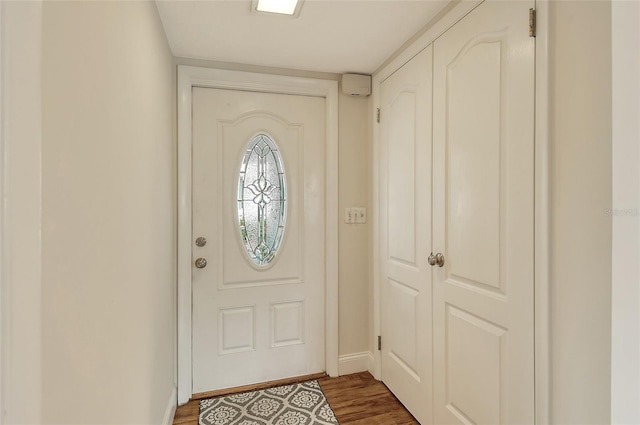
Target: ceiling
[[338, 36]]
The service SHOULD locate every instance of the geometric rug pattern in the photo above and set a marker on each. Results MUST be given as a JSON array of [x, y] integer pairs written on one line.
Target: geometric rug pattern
[[297, 404]]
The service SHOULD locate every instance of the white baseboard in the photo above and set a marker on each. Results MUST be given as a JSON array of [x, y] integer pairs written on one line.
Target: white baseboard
[[354, 363], [170, 411], [371, 363]]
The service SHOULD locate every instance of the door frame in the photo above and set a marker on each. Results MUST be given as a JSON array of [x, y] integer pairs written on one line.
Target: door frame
[[191, 76], [542, 235], [21, 379]]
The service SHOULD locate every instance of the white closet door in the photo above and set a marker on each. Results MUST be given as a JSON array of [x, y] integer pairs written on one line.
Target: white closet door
[[405, 217], [483, 218]]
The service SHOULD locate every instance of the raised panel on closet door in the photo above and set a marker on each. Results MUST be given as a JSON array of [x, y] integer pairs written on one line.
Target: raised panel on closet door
[[483, 218]]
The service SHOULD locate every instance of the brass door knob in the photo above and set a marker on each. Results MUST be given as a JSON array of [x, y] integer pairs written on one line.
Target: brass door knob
[[201, 263], [436, 259]]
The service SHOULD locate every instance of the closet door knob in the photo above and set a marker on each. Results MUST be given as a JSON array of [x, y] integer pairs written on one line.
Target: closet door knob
[[436, 259], [201, 263]]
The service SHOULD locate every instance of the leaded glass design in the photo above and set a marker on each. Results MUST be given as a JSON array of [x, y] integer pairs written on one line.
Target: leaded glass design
[[262, 199]]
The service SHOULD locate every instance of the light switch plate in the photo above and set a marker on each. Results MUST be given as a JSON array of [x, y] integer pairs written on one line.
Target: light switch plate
[[360, 215], [355, 215], [349, 216]]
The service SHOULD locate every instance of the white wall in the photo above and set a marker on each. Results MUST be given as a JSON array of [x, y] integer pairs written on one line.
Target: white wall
[[354, 174], [625, 338], [580, 98], [108, 214]]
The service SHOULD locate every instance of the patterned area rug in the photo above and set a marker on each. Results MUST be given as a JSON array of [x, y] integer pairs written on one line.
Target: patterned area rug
[[298, 404]]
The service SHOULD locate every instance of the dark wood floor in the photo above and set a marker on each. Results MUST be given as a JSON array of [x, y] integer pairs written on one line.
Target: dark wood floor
[[356, 399]]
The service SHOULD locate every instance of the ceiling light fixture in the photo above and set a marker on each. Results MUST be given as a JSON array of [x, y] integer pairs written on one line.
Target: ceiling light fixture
[[281, 7]]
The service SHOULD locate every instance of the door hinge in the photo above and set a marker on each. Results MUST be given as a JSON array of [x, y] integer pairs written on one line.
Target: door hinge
[[532, 22], [378, 115], [379, 342]]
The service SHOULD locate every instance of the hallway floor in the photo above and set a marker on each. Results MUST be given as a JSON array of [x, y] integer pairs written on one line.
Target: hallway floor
[[356, 399]]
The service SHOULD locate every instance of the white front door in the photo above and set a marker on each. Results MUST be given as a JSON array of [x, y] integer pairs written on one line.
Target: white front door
[[405, 218], [483, 156], [259, 201]]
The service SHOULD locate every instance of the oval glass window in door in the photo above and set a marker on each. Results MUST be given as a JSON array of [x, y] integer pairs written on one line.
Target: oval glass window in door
[[262, 200]]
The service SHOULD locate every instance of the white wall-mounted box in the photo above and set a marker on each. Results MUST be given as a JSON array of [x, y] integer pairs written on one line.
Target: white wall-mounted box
[[356, 84]]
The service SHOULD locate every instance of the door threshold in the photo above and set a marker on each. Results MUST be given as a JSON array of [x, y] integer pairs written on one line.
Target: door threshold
[[259, 386]]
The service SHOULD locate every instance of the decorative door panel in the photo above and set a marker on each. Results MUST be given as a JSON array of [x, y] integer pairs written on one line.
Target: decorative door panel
[[405, 219], [258, 198], [403, 319], [400, 116], [474, 177], [474, 398], [237, 269], [483, 218]]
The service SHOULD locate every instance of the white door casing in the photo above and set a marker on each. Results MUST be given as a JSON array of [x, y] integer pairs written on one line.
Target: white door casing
[[483, 218], [256, 323], [405, 220], [189, 77], [21, 379]]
